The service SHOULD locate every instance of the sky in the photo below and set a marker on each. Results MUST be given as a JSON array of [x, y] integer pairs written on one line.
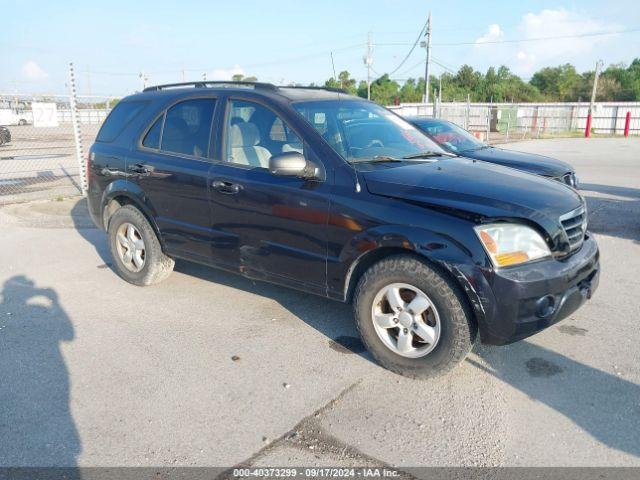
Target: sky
[[282, 41]]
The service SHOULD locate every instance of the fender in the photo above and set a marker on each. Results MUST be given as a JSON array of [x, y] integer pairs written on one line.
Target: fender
[[135, 195], [442, 251], [436, 247]]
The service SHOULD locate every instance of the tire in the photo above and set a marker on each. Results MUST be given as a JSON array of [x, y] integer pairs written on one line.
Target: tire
[[22, 122], [449, 313], [156, 266]]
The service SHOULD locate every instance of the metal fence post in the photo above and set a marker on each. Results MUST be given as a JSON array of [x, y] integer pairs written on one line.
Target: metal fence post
[[468, 113], [77, 136], [489, 113]]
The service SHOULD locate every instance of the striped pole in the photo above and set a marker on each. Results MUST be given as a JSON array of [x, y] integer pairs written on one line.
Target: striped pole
[[82, 170]]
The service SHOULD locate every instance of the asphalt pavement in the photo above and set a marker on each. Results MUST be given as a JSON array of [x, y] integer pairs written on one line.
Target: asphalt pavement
[[211, 369]]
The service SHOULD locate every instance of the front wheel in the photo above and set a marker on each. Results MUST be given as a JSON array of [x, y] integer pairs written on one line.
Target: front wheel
[[413, 320], [135, 248]]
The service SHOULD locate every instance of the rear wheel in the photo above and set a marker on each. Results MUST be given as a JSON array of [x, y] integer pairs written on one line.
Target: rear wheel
[[135, 248], [413, 319]]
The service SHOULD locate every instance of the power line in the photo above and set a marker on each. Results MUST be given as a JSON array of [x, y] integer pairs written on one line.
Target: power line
[[411, 50], [421, 62], [523, 40]]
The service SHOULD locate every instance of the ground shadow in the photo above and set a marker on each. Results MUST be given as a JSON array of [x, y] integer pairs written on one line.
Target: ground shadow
[[331, 318], [613, 211], [605, 405], [87, 229], [36, 425]]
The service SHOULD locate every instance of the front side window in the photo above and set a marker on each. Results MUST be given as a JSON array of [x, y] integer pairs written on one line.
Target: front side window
[[187, 127], [359, 130], [119, 117], [451, 136], [255, 134]]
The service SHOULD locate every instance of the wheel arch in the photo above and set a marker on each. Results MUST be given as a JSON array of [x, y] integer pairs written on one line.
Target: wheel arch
[[447, 257], [119, 194]]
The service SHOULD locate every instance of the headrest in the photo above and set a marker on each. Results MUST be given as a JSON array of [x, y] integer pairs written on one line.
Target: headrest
[[244, 135]]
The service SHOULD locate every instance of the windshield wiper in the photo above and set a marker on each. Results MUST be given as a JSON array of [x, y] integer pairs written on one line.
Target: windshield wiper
[[475, 149], [429, 155], [377, 158]]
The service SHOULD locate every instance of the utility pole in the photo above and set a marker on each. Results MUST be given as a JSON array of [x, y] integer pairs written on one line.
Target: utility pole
[[368, 61], [599, 65], [143, 79], [427, 45]]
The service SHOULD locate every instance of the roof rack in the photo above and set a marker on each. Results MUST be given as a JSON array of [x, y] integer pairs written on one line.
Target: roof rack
[[207, 83], [314, 87], [232, 84]]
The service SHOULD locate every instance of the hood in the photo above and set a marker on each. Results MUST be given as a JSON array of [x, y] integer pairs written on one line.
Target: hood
[[477, 188], [529, 162]]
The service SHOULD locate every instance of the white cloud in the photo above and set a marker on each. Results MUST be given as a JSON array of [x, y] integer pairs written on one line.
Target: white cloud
[[32, 72], [560, 23], [225, 74], [528, 56], [494, 33]]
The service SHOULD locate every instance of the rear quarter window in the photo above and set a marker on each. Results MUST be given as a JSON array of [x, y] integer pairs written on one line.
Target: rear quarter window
[[118, 119]]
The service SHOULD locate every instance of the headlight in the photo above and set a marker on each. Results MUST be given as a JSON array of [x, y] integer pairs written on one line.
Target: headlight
[[511, 244]]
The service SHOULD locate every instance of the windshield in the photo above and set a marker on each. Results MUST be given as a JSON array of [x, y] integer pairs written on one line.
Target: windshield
[[359, 130], [450, 135]]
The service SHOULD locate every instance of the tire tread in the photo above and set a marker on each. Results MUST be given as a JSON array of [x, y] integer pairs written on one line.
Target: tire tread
[[461, 319]]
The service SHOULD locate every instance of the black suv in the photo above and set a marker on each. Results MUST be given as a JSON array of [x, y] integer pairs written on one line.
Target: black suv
[[327, 193]]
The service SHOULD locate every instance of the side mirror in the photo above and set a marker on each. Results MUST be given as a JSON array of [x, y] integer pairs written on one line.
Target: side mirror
[[291, 164]]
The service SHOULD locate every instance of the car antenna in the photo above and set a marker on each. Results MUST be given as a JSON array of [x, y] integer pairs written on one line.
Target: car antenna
[[355, 171]]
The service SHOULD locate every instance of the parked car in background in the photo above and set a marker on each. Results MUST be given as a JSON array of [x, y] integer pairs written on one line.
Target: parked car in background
[[457, 140], [5, 135], [337, 196], [15, 116]]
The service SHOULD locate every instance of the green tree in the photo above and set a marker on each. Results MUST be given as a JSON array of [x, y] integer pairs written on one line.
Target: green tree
[[362, 89], [560, 83], [238, 77], [412, 91], [384, 90]]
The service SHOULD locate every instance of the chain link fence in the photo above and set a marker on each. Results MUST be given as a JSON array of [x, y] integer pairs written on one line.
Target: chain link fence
[[38, 149], [500, 122]]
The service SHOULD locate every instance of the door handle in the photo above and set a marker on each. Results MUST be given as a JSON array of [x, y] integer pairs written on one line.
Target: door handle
[[139, 168], [227, 188]]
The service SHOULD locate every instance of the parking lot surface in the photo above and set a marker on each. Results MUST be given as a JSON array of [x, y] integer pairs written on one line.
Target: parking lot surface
[[211, 369]]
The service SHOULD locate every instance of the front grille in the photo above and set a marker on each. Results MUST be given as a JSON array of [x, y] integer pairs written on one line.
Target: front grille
[[575, 226]]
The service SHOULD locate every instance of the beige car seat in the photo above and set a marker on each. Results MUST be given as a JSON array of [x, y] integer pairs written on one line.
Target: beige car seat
[[245, 150]]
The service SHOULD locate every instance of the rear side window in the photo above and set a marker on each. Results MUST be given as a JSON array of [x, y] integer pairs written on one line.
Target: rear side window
[[119, 117], [187, 127], [152, 138]]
